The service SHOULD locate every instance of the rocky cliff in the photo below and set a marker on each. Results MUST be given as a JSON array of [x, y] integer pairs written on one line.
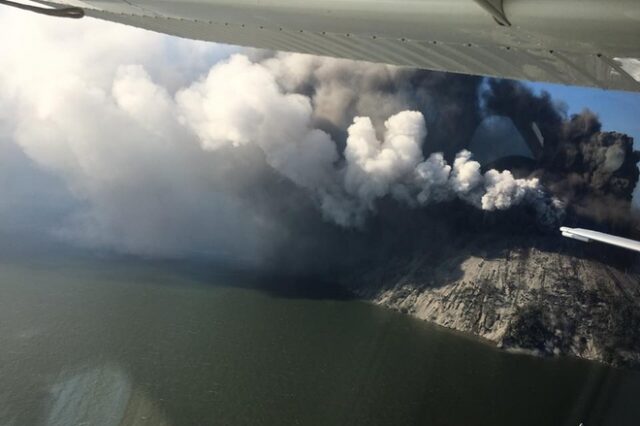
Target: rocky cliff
[[538, 294]]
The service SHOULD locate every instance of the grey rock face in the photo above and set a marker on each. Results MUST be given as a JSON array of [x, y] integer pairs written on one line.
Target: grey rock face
[[520, 295]]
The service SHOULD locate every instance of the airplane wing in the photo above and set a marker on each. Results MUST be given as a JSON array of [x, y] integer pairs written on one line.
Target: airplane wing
[[577, 42], [587, 235]]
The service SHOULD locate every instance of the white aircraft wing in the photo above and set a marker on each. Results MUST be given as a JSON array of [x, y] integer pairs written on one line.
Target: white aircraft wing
[[578, 42], [587, 235]]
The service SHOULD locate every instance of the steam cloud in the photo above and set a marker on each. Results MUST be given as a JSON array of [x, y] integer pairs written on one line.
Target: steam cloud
[[222, 112], [234, 157]]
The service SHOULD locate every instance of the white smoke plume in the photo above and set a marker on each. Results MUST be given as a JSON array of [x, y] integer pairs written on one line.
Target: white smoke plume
[[374, 168], [241, 103], [396, 167], [212, 157]]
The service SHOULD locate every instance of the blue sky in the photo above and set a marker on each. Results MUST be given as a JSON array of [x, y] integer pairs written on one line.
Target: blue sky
[[619, 111]]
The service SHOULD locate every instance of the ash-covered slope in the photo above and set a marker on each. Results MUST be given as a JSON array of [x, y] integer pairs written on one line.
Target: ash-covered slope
[[538, 294]]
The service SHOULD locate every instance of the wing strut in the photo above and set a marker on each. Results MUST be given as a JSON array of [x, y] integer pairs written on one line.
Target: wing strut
[[587, 235], [494, 7], [62, 12]]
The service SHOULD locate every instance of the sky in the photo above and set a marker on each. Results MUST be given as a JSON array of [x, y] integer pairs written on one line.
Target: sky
[[118, 138], [619, 111]]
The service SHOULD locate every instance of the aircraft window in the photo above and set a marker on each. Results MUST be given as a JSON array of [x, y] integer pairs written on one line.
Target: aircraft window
[[194, 233], [497, 137]]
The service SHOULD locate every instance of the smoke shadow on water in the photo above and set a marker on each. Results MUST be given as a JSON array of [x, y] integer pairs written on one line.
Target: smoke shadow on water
[[295, 285]]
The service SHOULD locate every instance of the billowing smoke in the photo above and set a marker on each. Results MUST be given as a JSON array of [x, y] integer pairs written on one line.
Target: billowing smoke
[[592, 171], [242, 158], [222, 112], [342, 90], [396, 167]]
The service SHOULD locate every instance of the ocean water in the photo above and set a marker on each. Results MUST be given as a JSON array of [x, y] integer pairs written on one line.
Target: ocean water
[[97, 342]]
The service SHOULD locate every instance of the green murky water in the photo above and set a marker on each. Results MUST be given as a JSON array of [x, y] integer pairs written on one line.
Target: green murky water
[[108, 343]]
